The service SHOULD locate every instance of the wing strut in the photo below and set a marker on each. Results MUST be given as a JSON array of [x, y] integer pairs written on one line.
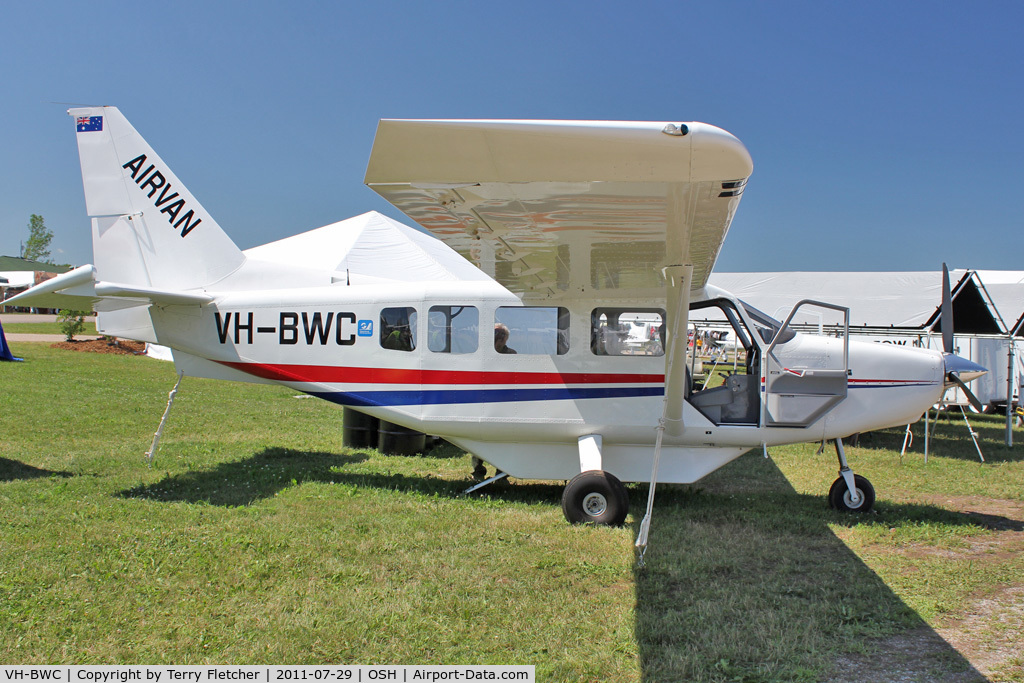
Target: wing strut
[[680, 278]]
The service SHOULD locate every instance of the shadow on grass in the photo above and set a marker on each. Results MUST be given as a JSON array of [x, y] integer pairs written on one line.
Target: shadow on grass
[[247, 481], [745, 581], [950, 438], [442, 450], [11, 470]]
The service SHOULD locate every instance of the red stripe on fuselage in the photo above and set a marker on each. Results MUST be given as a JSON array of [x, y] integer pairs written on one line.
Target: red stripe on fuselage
[[892, 381], [352, 375], [355, 375]]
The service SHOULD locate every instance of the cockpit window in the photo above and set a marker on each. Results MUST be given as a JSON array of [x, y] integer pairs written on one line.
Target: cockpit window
[[767, 326]]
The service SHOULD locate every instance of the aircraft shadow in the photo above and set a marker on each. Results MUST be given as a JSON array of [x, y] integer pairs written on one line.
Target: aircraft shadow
[[247, 481], [743, 576], [744, 573], [950, 438], [11, 470], [442, 450]]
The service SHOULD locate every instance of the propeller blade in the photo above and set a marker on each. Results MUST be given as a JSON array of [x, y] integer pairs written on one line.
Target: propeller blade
[[947, 312], [970, 394]]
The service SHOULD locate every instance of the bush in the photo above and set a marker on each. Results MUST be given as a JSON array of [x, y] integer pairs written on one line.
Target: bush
[[71, 323]]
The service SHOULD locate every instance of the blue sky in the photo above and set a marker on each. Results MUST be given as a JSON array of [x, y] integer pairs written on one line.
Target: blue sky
[[885, 136]]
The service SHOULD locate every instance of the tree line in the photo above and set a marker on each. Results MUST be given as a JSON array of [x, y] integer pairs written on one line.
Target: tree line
[[37, 247]]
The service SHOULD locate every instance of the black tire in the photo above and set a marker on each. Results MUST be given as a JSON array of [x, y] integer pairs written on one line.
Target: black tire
[[595, 497], [839, 495], [359, 430], [394, 439]]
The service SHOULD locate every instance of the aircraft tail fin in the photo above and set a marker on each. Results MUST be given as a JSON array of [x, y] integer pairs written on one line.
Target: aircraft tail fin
[[147, 228]]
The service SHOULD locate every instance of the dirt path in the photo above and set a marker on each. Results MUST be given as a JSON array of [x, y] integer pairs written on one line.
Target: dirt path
[[990, 632]]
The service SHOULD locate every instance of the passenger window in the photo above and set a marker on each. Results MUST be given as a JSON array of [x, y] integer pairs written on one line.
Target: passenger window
[[627, 332], [398, 329], [453, 329], [531, 330]]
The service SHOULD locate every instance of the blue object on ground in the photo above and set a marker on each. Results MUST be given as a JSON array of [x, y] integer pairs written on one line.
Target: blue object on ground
[[5, 350]]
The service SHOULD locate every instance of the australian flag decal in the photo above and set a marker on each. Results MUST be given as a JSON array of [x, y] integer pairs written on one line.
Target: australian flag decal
[[89, 124]]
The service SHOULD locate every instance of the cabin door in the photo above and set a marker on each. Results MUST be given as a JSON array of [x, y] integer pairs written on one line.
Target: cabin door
[[799, 389]]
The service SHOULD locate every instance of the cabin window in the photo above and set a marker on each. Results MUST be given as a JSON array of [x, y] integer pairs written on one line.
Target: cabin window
[[398, 329], [453, 329], [533, 330], [627, 332]]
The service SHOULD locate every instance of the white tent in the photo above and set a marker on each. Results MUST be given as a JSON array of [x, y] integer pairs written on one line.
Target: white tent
[[877, 300], [1006, 287], [370, 247]]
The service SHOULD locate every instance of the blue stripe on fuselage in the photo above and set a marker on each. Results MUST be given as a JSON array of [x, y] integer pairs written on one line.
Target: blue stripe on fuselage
[[442, 396], [454, 396]]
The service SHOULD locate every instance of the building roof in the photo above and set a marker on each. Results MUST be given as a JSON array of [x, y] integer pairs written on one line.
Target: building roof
[[13, 263]]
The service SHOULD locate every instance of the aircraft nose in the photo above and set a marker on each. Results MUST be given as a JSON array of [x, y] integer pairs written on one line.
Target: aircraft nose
[[965, 369]]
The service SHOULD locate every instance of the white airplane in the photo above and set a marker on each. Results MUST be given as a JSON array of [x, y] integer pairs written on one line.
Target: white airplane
[[552, 233], [724, 339]]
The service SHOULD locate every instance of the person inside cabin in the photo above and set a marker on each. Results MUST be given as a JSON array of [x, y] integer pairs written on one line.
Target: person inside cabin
[[501, 335], [399, 339]]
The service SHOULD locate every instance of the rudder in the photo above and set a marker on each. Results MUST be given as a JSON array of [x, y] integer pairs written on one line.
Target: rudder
[[147, 228]]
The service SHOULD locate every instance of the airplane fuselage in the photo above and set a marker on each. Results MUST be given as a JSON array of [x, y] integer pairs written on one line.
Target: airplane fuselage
[[545, 331], [525, 411]]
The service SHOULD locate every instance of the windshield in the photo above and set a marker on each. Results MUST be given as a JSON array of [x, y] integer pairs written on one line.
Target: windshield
[[767, 326]]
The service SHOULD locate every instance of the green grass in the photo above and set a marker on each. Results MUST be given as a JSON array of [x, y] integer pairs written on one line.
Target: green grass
[[46, 328], [257, 538]]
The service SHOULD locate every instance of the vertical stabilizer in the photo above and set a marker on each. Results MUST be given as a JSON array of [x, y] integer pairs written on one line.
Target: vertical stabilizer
[[147, 228]]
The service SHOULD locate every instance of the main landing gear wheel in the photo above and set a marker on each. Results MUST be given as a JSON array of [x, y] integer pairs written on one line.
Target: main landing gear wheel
[[595, 496], [839, 497]]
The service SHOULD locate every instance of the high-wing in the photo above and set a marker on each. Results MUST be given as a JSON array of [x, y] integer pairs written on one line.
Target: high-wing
[[567, 208]]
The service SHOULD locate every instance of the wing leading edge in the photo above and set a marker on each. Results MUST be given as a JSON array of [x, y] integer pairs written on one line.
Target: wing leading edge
[[567, 208]]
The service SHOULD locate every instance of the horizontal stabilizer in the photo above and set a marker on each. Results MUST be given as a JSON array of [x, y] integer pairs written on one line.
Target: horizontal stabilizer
[[79, 290], [156, 296]]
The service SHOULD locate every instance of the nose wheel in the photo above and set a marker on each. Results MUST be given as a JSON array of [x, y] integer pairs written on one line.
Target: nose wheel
[[850, 492], [840, 498]]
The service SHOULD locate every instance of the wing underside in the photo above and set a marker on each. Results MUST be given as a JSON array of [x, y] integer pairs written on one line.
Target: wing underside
[[567, 209]]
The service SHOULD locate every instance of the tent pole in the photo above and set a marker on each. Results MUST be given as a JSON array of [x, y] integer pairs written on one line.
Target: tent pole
[[926, 414], [1009, 391]]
